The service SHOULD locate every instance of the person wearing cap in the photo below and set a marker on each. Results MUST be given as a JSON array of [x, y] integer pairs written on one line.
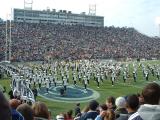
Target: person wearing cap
[[120, 107], [132, 105]]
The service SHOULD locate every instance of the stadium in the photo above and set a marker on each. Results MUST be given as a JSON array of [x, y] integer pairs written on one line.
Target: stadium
[[69, 66]]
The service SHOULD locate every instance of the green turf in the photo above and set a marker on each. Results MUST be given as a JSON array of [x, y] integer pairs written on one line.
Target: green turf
[[119, 89]]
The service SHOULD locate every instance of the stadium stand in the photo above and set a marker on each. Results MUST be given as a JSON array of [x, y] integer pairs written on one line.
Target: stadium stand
[[38, 41]]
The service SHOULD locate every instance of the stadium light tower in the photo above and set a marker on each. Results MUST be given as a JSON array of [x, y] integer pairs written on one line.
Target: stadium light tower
[[6, 45], [158, 23], [8, 37], [28, 4], [92, 9]]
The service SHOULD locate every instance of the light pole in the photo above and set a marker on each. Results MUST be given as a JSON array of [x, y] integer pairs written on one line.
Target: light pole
[[6, 54], [10, 39]]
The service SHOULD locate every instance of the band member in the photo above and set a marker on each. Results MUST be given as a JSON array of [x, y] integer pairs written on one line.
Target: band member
[[65, 83], [102, 76], [79, 76], [98, 80], [113, 78], [34, 80], [39, 81], [28, 84], [158, 74], [47, 85], [134, 76], [85, 82], [88, 76], [106, 74], [74, 79], [124, 76], [67, 73], [146, 75]]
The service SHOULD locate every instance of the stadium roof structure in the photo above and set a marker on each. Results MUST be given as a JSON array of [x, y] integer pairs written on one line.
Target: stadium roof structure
[[57, 17]]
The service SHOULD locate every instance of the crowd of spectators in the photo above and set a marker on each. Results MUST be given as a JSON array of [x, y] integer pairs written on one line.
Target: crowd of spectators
[[129, 107], [39, 41], [2, 41]]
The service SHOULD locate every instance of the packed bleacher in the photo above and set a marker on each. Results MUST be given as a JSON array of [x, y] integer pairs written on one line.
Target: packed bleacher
[[32, 41]]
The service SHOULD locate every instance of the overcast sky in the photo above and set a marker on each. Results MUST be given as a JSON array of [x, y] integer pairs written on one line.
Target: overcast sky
[[140, 14]]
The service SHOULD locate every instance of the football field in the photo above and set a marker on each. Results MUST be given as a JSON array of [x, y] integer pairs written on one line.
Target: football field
[[106, 89]]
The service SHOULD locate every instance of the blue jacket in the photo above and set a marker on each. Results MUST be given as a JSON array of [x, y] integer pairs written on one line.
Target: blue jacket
[[16, 115], [98, 118], [91, 115]]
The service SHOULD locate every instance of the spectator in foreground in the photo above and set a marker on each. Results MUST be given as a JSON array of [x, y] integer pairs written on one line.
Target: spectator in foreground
[[69, 115], [141, 99], [40, 111], [14, 103], [110, 115], [151, 108], [110, 102], [77, 109], [5, 111], [105, 113], [92, 113], [83, 112], [26, 111], [60, 117], [132, 105], [120, 104], [102, 112]]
